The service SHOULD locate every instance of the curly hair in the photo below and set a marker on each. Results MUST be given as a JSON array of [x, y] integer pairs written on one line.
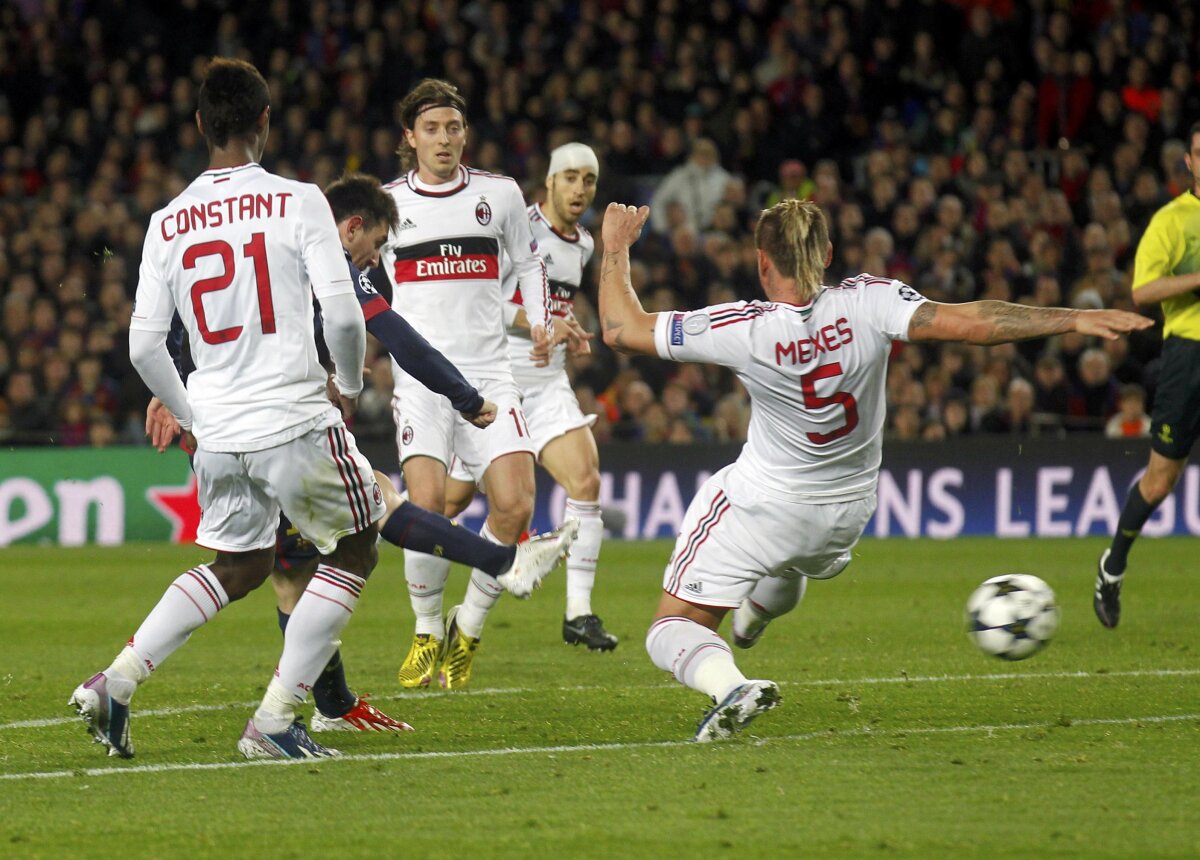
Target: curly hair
[[232, 98]]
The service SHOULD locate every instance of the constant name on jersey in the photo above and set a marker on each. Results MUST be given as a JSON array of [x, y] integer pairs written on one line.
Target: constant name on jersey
[[467, 258], [214, 213], [827, 339]]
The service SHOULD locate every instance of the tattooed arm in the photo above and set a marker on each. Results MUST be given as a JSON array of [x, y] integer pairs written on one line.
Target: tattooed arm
[[990, 322], [626, 325]]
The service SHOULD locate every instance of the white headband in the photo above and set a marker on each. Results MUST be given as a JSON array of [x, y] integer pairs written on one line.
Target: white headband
[[573, 156]]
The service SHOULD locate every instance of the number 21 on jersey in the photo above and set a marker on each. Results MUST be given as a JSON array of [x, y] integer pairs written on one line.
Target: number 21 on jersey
[[256, 251]]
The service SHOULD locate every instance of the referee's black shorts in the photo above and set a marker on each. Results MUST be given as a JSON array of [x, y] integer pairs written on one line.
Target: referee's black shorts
[[1175, 419]]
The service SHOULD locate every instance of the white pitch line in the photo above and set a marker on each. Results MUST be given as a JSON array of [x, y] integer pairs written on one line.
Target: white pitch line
[[520, 691], [552, 750]]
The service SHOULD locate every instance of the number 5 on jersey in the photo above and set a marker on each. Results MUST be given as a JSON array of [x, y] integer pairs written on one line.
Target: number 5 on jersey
[[812, 400]]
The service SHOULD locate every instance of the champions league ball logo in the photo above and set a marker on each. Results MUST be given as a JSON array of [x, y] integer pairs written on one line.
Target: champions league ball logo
[[483, 212]]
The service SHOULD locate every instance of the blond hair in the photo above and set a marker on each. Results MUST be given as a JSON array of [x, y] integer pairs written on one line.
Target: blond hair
[[795, 237]]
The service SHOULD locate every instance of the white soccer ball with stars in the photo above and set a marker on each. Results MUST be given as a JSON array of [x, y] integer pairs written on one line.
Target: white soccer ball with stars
[[1012, 616]]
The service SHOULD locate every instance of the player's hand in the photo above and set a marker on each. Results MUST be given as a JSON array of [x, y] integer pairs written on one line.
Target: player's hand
[[571, 333], [161, 425], [485, 416], [542, 344], [623, 225], [188, 442], [1110, 324], [346, 405]]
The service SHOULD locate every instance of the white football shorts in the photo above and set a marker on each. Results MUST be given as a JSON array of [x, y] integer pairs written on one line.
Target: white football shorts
[[552, 410], [733, 534], [428, 426], [320, 480]]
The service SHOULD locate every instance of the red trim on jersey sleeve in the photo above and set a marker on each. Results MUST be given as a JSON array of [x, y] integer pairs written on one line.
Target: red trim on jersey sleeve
[[374, 308]]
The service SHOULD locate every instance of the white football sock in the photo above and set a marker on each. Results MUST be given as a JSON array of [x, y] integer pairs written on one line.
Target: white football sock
[[482, 593], [188, 603], [426, 576], [581, 560], [309, 641], [695, 655]]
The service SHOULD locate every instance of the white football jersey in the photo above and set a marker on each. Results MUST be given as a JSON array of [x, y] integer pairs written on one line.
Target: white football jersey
[[444, 261], [816, 376], [565, 258], [240, 254]]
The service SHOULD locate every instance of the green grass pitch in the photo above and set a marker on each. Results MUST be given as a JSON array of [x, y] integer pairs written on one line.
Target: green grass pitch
[[896, 737]]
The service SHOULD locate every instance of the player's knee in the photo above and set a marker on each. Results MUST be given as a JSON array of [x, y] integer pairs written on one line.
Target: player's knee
[[243, 572], [357, 553], [514, 516], [1156, 487], [586, 486]]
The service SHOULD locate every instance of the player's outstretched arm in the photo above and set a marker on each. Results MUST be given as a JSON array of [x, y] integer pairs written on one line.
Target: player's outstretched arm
[[626, 325], [990, 322], [425, 363]]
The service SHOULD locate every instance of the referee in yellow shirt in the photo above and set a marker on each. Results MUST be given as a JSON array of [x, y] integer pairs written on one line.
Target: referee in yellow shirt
[[1166, 271]]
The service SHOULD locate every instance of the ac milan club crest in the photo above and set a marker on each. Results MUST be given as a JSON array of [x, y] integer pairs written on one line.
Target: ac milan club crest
[[407, 436], [483, 212], [377, 494]]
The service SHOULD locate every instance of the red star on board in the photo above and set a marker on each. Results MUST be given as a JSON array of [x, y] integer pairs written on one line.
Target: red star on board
[[181, 506]]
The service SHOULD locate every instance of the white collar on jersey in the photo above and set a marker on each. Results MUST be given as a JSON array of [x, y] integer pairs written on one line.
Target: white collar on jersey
[[443, 190], [541, 214]]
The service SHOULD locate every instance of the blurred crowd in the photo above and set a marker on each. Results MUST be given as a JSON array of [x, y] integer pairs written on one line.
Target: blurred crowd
[[986, 149]]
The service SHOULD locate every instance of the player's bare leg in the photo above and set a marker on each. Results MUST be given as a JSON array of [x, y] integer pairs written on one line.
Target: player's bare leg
[[459, 495], [191, 601], [510, 485], [1161, 475], [574, 463], [683, 640]]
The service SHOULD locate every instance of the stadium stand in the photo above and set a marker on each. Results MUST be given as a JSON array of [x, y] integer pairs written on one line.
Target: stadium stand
[[973, 149]]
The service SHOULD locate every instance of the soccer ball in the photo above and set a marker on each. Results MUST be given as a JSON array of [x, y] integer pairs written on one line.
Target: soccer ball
[[1012, 616]]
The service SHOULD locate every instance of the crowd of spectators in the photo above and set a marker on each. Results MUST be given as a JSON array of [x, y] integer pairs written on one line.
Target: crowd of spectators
[[986, 149]]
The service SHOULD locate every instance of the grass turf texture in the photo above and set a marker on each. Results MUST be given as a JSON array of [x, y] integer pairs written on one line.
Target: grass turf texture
[[896, 737]]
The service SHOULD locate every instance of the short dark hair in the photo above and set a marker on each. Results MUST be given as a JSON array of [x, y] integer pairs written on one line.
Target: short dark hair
[[362, 195], [232, 98], [429, 93]]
